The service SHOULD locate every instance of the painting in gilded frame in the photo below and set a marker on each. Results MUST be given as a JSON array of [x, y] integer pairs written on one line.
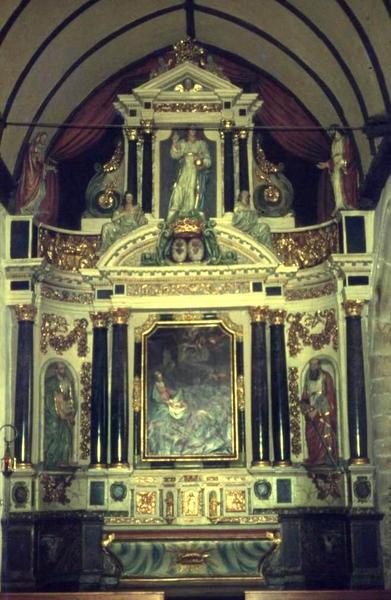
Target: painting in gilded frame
[[189, 392]]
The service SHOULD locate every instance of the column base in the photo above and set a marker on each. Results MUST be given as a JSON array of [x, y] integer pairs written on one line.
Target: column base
[[359, 461], [261, 463], [98, 466], [119, 466], [282, 463]]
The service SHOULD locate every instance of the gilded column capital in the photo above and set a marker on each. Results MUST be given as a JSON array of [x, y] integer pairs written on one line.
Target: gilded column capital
[[25, 312], [353, 308], [146, 126], [277, 317], [120, 316], [227, 124], [100, 319], [259, 314], [131, 134], [242, 134]]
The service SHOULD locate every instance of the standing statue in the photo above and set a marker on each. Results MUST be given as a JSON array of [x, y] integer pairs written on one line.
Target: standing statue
[[60, 414], [343, 170], [31, 188], [246, 219], [189, 189], [124, 220], [318, 404]]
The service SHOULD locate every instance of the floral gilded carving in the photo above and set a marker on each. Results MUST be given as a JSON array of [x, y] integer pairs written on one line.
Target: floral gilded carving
[[54, 333], [68, 252], [314, 292], [294, 410], [301, 324], [306, 248], [85, 409]]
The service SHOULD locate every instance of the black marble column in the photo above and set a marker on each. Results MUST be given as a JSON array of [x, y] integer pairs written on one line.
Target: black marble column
[[99, 391], [147, 167], [279, 390], [132, 162], [24, 384], [357, 412], [229, 182], [119, 390], [243, 161], [259, 388]]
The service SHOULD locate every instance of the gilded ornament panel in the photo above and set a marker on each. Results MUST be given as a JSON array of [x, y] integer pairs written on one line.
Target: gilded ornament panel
[[294, 410], [68, 252], [146, 503], [54, 333], [306, 248], [313, 292], [188, 288], [66, 295], [235, 501], [85, 409], [300, 326]]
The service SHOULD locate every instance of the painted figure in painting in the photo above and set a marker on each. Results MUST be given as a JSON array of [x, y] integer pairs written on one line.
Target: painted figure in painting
[[189, 410], [318, 404], [124, 220], [194, 163], [342, 169], [60, 414], [246, 219]]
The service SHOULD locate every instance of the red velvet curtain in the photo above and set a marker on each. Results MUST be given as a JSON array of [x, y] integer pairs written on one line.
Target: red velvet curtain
[[279, 109]]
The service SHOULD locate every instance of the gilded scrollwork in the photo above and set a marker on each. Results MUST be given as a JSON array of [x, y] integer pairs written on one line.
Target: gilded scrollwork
[[230, 324], [138, 331], [188, 107], [136, 394], [241, 393], [68, 252], [67, 295], [301, 324], [313, 292], [55, 487], [54, 333], [235, 501], [85, 409], [187, 288], [294, 410], [306, 248]]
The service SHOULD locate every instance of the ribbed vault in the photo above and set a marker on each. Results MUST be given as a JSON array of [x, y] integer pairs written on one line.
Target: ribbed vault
[[333, 56]]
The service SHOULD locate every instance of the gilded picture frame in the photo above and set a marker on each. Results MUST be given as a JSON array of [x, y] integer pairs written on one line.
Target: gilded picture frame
[[189, 396]]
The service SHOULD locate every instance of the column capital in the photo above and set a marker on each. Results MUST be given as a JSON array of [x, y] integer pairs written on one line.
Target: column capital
[[100, 319], [277, 316], [120, 316], [243, 134], [25, 312], [227, 124], [146, 126], [131, 134], [259, 314], [353, 308]]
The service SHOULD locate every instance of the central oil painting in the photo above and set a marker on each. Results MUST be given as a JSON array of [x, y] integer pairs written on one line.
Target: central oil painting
[[189, 392]]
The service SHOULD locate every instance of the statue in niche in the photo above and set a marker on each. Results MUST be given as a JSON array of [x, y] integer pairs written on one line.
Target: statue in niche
[[213, 505], [129, 217], [190, 186], [319, 406], [31, 189], [342, 169], [60, 412], [246, 219]]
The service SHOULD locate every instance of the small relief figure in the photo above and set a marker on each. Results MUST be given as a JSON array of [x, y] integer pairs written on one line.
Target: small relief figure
[[31, 188], [342, 169], [194, 158], [169, 502], [124, 220], [60, 411], [318, 404], [213, 505], [246, 219]]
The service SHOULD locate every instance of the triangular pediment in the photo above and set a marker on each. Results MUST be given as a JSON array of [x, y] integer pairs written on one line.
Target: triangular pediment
[[172, 80]]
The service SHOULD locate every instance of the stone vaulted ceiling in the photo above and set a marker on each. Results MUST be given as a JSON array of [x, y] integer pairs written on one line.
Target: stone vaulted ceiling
[[332, 54]]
